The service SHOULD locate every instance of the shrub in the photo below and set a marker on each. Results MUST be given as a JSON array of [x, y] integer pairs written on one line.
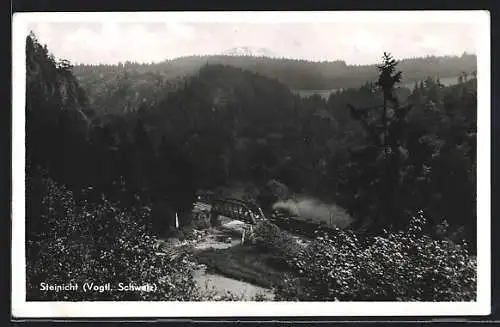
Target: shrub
[[210, 293], [401, 266], [260, 297], [266, 234], [201, 220], [176, 233], [189, 233], [99, 243], [270, 237]]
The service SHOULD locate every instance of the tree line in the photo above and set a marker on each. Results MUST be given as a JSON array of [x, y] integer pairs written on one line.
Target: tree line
[[140, 81]]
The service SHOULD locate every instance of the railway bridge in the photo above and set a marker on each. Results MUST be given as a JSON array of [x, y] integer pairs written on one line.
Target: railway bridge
[[236, 209]]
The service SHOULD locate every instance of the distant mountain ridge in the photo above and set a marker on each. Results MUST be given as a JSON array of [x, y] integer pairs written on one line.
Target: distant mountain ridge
[[295, 73], [140, 82], [249, 51]]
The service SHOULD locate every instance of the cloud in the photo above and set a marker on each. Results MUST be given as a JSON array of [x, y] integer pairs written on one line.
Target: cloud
[[181, 31], [356, 43], [366, 43]]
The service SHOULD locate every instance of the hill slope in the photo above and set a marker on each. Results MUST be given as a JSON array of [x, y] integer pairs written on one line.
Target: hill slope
[[142, 81]]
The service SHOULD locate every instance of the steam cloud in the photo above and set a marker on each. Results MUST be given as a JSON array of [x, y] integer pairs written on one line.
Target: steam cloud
[[316, 210]]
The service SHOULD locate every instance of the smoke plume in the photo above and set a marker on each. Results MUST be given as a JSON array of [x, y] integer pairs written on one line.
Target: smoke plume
[[316, 210]]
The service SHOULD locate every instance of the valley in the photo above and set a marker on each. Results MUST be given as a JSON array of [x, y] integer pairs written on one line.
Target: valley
[[370, 192]]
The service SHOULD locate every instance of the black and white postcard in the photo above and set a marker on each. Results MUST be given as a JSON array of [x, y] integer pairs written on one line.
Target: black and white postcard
[[218, 164]]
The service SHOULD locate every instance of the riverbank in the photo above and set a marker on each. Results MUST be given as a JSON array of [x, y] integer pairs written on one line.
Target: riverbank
[[225, 266]]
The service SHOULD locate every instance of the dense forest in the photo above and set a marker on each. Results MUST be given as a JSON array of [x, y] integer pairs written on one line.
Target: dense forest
[[128, 86], [117, 140]]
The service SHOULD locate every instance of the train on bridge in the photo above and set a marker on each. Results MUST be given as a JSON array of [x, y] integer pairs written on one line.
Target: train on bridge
[[212, 206]]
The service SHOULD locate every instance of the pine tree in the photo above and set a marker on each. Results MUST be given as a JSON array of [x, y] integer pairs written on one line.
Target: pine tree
[[387, 79], [393, 136], [386, 135]]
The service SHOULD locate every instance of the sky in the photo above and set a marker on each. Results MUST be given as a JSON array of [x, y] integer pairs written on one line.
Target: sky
[[111, 42]]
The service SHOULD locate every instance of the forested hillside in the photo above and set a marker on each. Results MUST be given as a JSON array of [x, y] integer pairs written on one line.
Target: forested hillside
[[129, 84], [382, 153], [258, 131]]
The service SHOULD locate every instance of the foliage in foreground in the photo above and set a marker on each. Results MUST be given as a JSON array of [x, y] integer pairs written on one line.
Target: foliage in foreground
[[99, 243], [270, 237], [80, 242], [401, 266]]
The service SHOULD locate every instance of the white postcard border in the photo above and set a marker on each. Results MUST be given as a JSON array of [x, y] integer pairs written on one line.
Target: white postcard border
[[23, 309]]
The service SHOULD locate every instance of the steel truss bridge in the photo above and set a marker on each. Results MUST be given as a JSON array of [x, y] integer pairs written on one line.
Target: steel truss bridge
[[236, 209]]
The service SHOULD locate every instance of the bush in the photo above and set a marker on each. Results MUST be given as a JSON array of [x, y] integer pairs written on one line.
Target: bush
[[266, 234], [270, 237], [176, 233], [201, 220], [211, 294], [401, 266], [189, 233], [99, 243], [260, 297]]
